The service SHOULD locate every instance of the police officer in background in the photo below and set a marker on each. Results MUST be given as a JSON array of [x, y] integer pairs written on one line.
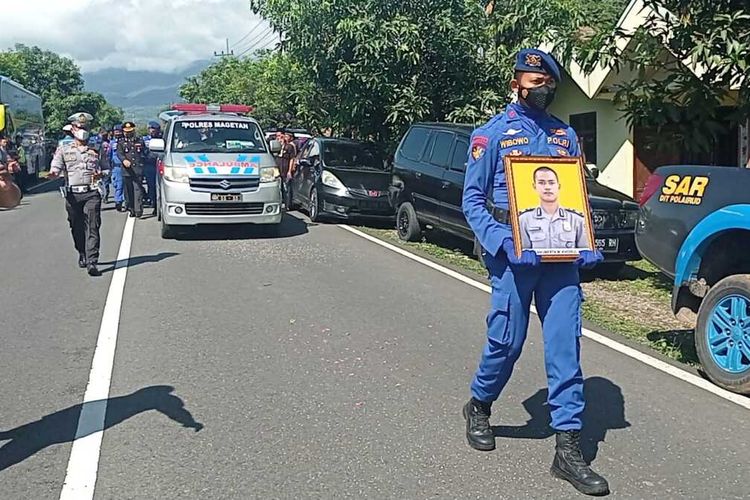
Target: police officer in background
[[81, 168], [149, 162], [116, 164], [549, 225], [130, 151], [525, 128]]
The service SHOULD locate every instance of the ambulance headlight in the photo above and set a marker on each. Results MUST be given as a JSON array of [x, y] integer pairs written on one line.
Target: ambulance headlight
[[176, 174], [269, 174]]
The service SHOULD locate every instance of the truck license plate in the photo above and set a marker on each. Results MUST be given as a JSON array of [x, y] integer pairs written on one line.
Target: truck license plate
[[225, 197], [608, 245]]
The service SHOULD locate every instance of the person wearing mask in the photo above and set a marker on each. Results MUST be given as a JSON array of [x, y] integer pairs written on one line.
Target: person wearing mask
[[116, 164], [80, 166], [527, 129], [130, 151], [149, 162]]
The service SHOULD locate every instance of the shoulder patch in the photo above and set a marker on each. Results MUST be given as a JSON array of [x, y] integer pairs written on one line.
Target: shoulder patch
[[479, 146], [562, 152], [528, 210]]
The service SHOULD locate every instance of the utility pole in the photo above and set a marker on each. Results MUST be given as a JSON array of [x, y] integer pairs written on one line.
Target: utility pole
[[224, 54]]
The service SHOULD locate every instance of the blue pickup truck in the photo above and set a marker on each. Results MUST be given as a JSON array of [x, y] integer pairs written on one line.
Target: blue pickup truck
[[694, 225]]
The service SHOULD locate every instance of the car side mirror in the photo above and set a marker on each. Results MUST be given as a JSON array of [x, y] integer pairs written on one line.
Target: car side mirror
[[275, 146], [156, 145], [594, 171], [303, 162]]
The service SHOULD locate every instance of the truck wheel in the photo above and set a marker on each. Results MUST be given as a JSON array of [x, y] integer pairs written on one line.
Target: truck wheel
[[407, 223], [722, 334]]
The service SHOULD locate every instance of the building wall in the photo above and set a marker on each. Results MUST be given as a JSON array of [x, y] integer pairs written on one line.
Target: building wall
[[614, 142]]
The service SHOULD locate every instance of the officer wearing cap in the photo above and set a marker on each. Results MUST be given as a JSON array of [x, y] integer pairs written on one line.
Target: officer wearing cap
[[149, 162], [81, 168], [130, 151], [526, 128], [549, 225], [116, 164]]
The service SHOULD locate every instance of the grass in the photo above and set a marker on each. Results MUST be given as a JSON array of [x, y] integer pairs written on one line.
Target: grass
[[635, 304]]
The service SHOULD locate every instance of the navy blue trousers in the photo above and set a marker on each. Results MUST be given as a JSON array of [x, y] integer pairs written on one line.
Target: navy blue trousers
[[556, 290]]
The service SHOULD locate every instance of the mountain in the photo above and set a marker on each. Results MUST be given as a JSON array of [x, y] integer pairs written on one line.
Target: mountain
[[141, 94]]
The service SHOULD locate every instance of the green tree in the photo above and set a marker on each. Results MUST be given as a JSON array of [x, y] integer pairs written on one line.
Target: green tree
[[58, 81], [104, 114], [269, 81], [691, 59]]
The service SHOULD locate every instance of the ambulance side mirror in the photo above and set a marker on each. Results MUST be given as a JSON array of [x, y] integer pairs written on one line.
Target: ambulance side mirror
[[156, 145]]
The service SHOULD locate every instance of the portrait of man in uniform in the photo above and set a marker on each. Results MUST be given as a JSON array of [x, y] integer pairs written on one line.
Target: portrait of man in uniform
[[551, 215]]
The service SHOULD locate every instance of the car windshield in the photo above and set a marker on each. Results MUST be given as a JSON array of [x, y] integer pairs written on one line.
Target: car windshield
[[341, 154], [217, 136]]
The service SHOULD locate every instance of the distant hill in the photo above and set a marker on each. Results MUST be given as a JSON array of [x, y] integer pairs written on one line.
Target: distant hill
[[140, 93]]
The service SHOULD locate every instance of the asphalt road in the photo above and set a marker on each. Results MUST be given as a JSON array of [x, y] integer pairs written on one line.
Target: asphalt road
[[312, 365]]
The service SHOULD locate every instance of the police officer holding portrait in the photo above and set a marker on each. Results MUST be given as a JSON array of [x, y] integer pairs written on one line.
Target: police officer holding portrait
[[80, 165], [527, 129], [130, 151], [549, 225]]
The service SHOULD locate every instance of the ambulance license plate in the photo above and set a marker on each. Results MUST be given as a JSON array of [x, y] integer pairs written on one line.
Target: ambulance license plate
[[225, 197]]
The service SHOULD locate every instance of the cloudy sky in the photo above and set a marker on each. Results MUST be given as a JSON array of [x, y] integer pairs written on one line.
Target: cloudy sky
[[159, 35]]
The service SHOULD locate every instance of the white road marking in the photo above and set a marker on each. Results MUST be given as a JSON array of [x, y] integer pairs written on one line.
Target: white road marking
[[667, 368], [83, 464]]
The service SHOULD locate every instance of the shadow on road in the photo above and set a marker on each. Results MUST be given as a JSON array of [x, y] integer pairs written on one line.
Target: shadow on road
[[134, 261], [605, 410], [62, 426], [45, 186], [290, 227]]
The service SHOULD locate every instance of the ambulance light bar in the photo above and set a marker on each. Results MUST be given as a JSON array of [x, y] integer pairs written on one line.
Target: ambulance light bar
[[213, 108]]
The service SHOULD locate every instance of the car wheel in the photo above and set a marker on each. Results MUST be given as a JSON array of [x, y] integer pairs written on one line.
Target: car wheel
[[407, 223], [314, 208], [722, 334], [167, 231]]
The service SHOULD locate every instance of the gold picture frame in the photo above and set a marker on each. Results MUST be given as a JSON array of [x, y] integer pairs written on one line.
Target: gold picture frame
[[546, 215]]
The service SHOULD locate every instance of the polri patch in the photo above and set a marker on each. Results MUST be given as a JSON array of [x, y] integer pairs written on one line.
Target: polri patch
[[479, 146]]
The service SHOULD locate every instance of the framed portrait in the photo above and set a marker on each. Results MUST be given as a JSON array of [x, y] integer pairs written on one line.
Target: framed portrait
[[549, 206]]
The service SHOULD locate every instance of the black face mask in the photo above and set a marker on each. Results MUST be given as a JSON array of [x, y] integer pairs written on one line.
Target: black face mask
[[539, 97]]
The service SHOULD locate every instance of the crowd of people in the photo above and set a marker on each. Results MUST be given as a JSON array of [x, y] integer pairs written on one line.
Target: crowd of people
[[126, 158], [13, 171]]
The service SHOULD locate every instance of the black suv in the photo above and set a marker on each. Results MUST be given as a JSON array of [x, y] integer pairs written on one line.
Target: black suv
[[427, 189]]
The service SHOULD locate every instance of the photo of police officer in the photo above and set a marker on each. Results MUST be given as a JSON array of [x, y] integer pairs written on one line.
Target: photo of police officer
[[549, 225]]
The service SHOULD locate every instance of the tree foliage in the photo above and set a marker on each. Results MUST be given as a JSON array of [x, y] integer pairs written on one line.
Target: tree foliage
[[691, 61], [269, 81], [379, 65], [58, 81]]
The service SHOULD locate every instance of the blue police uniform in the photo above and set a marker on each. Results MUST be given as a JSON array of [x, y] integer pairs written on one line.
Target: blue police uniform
[[526, 129], [114, 160], [522, 130]]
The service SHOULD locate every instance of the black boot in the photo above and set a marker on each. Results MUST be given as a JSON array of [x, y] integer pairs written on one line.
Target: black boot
[[478, 430], [93, 270], [118, 207], [570, 465], [82, 262]]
